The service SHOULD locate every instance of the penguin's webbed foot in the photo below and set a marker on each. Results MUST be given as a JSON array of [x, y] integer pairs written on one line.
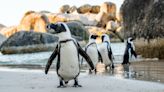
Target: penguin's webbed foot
[[61, 86], [76, 85]]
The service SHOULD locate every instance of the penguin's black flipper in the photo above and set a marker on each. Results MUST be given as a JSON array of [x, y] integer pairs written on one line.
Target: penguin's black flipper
[[133, 53], [110, 55], [50, 60], [84, 54], [100, 57]]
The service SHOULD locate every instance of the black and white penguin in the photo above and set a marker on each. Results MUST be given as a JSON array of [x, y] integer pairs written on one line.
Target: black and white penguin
[[92, 50], [129, 51], [106, 51], [67, 52]]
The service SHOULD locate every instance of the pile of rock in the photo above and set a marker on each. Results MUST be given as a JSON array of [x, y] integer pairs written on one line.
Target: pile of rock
[[82, 21], [80, 10]]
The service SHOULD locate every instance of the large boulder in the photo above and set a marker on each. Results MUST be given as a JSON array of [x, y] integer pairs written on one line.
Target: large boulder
[[19, 42], [111, 26], [85, 19], [78, 31], [143, 18], [109, 8], [95, 30], [107, 12], [54, 17], [64, 9], [2, 39], [119, 16], [33, 21], [73, 9], [84, 9], [95, 9]]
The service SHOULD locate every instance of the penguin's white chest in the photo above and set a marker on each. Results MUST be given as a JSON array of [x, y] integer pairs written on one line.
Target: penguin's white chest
[[104, 53], [69, 63], [131, 57], [93, 54]]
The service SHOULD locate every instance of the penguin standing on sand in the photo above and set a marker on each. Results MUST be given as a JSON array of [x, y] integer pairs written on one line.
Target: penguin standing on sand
[[129, 51], [106, 51], [67, 52], [92, 50]]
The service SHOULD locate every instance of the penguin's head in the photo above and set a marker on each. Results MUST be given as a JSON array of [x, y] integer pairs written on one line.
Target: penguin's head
[[93, 38], [130, 40], [105, 37], [56, 28], [60, 29]]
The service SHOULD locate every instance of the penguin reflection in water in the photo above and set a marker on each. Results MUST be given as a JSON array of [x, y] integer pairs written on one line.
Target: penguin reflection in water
[[67, 52], [106, 51], [92, 50], [129, 51]]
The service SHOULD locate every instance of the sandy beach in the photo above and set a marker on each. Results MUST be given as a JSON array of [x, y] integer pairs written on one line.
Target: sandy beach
[[36, 81]]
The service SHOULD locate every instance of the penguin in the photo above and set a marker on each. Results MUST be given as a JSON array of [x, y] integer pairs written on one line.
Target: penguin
[[92, 50], [129, 51], [67, 52], [106, 51]]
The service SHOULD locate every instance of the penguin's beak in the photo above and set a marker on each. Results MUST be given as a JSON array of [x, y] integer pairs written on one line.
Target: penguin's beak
[[48, 27]]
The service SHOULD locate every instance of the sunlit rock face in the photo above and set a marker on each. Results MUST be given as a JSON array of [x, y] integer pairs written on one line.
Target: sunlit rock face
[[54, 17], [64, 9], [19, 42], [119, 16], [143, 18], [8, 31], [109, 8], [33, 21], [111, 25], [84, 9], [73, 9], [107, 12], [95, 9]]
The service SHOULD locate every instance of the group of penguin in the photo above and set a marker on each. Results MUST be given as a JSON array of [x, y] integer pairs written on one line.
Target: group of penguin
[[68, 52], [100, 52]]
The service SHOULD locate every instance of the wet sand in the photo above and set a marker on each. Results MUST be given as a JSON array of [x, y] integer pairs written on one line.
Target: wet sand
[[18, 80]]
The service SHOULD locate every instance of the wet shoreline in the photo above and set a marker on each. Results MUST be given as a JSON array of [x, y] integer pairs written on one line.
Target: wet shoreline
[[144, 70]]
